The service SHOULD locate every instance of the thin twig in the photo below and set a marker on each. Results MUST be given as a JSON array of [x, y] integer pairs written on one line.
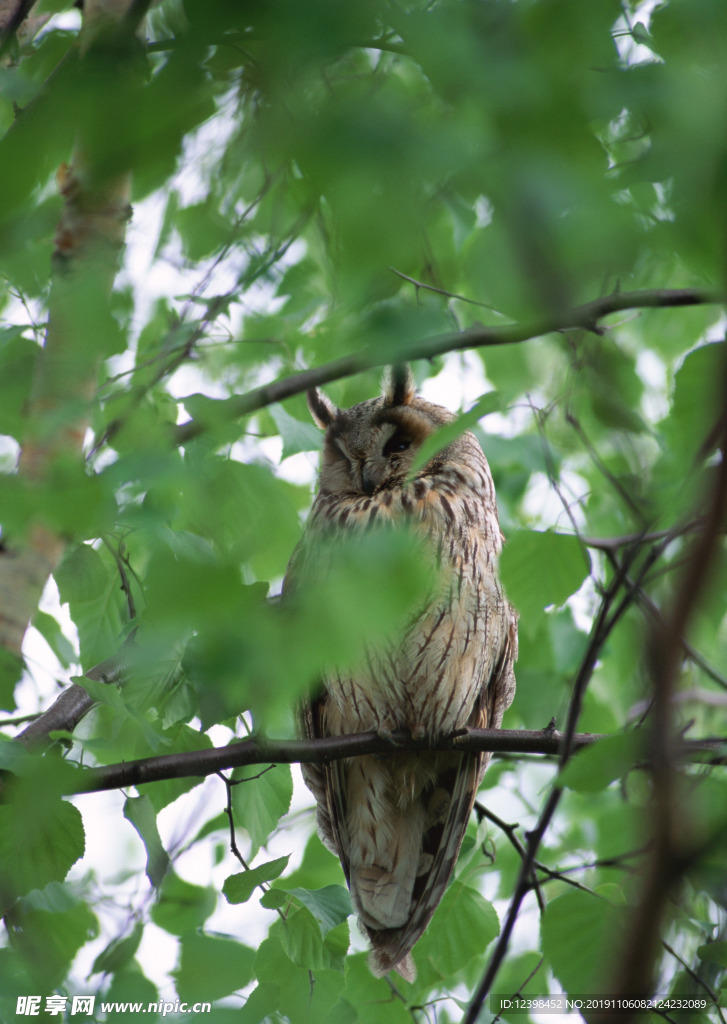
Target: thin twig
[[657, 616], [521, 986], [511, 833], [234, 848], [603, 469], [695, 977], [439, 291], [608, 544], [121, 566]]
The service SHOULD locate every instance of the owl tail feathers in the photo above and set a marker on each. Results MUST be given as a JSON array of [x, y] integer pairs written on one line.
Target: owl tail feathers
[[381, 962]]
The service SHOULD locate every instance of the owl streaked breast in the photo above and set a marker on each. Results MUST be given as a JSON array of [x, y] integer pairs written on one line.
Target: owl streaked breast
[[397, 822]]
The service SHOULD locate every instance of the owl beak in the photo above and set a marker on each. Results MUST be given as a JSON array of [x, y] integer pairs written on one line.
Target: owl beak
[[368, 481]]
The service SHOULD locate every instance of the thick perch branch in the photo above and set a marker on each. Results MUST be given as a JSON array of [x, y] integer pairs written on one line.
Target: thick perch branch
[[195, 763]]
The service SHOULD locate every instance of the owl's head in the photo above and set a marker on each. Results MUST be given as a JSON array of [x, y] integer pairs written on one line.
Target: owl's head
[[371, 446]]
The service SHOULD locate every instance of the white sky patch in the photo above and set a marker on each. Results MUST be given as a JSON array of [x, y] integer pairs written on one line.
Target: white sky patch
[[484, 211], [652, 370], [459, 383], [9, 453], [203, 151], [718, 330], [542, 505], [299, 469]]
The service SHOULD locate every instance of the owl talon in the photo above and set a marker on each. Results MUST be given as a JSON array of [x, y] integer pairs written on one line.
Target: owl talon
[[458, 734], [387, 732]]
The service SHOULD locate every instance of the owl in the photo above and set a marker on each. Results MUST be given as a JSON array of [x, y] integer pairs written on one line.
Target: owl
[[397, 821]]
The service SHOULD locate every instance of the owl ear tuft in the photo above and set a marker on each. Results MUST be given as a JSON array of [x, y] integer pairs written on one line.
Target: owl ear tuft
[[398, 384], [321, 408]]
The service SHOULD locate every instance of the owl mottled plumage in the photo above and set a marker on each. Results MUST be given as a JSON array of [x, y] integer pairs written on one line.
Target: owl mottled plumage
[[397, 822]]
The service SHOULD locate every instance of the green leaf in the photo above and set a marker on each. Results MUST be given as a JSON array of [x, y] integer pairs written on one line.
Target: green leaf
[[306, 946], [297, 436], [16, 978], [48, 830], [580, 966], [49, 628], [597, 766], [260, 803], [273, 899], [696, 402], [11, 670], [128, 988], [181, 906], [261, 1004], [118, 952], [244, 510], [299, 1001], [463, 926], [641, 33], [54, 898], [50, 940], [140, 812], [523, 974], [621, 829], [329, 906], [90, 585], [239, 888], [211, 967], [202, 228], [542, 569], [372, 996], [17, 361], [112, 697], [713, 953]]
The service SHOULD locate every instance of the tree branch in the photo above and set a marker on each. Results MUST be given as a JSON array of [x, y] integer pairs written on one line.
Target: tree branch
[[210, 761], [9, 24], [585, 317], [602, 627], [673, 847], [89, 237], [74, 702]]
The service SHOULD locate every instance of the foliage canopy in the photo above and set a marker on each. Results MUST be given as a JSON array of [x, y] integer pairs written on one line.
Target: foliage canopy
[[318, 190]]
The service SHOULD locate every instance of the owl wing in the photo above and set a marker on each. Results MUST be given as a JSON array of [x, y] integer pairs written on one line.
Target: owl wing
[[323, 780], [461, 775]]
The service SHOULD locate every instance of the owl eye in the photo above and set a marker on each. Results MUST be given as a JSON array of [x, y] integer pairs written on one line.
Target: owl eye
[[398, 442]]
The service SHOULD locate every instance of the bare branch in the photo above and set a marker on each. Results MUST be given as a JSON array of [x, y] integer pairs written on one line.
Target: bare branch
[[74, 703], [11, 22], [585, 317], [209, 761], [602, 627], [673, 847]]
